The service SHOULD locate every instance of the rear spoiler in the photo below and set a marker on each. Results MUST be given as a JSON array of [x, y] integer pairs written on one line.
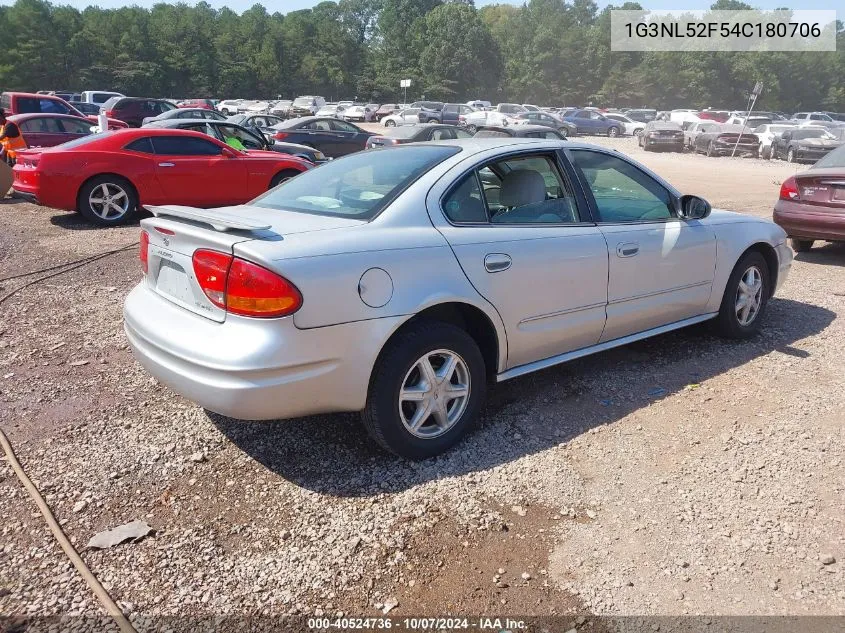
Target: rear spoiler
[[218, 220]]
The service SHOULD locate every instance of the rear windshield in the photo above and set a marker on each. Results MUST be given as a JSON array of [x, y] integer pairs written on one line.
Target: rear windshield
[[358, 186], [836, 158], [799, 134], [491, 134], [405, 131], [84, 140]]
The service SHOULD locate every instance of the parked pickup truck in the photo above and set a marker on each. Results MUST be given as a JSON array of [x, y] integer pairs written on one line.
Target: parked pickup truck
[[446, 113]]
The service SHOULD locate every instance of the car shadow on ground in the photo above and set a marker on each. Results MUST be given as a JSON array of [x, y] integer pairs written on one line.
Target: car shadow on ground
[[331, 454], [824, 254]]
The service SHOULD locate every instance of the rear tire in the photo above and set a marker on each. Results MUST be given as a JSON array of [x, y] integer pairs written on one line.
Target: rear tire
[[766, 152], [733, 320], [564, 132], [801, 246], [613, 132], [108, 200], [390, 123], [283, 176], [388, 417], [471, 128], [790, 155]]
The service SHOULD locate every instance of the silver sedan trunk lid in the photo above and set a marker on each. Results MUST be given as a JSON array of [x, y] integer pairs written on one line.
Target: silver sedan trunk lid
[[177, 232]]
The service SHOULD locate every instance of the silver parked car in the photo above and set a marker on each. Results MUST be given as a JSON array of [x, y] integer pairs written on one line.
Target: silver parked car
[[401, 282]]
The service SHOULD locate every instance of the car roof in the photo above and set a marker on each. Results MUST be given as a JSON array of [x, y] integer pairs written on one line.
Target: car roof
[[40, 115], [480, 144]]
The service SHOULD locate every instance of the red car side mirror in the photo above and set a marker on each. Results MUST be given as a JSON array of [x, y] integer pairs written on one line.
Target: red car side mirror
[[229, 153]]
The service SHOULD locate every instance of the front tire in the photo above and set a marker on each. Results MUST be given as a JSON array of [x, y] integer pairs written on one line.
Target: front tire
[[108, 200], [801, 246], [746, 296], [766, 152], [471, 128], [790, 155], [564, 132], [613, 132], [283, 176], [426, 390], [390, 123]]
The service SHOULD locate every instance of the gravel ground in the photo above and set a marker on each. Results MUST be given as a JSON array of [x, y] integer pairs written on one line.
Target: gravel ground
[[685, 474]]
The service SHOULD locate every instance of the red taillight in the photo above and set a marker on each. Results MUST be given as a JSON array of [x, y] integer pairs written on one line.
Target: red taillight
[[211, 269], [144, 252], [109, 114], [789, 189], [163, 231], [244, 288], [280, 136]]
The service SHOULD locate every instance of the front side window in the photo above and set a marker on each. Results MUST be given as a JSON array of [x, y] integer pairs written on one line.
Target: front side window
[[357, 186], [522, 190], [623, 193], [247, 139]]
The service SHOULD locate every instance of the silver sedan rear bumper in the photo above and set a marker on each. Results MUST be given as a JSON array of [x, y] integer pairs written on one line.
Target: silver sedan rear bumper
[[254, 369]]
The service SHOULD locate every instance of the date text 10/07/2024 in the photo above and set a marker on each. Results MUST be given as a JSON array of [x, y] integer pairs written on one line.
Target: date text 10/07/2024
[[500, 625]]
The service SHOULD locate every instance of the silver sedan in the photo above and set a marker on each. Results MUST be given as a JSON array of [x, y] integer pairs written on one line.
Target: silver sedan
[[402, 282]]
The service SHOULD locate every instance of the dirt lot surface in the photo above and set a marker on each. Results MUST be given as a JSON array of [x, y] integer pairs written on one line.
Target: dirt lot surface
[[684, 474]]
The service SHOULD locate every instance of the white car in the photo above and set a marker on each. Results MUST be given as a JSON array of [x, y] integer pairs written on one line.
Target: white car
[[632, 128], [475, 120], [681, 115], [402, 282], [331, 109], [230, 107], [255, 107], [408, 116], [767, 134], [356, 113]]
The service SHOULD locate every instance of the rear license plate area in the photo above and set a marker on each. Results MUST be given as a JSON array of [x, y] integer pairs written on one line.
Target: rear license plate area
[[173, 281]]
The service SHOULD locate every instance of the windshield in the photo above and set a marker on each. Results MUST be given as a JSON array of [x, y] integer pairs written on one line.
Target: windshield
[[836, 158], [358, 186], [303, 101]]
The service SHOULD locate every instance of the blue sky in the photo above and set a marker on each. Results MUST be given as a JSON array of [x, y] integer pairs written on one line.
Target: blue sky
[[292, 5]]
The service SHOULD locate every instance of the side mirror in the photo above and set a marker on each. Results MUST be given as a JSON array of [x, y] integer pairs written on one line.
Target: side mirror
[[694, 208], [229, 152]]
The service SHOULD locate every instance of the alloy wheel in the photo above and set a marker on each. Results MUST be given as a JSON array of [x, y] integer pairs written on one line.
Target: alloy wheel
[[109, 201], [749, 296], [434, 394]]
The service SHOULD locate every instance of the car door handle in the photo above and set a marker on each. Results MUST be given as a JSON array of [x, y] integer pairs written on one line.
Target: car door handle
[[167, 164], [497, 262], [627, 249]]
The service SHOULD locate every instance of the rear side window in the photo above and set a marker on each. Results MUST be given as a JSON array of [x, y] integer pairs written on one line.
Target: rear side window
[[184, 146], [41, 125], [142, 145], [521, 190]]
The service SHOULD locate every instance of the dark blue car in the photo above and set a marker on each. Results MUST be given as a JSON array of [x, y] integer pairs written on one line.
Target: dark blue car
[[331, 136], [593, 122]]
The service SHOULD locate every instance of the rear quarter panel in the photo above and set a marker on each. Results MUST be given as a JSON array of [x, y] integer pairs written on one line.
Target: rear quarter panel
[[327, 267], [65, 173]]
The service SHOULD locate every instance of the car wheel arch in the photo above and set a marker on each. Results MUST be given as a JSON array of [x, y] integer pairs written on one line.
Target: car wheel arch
[[491, 340], [771, 257], [115, 175]]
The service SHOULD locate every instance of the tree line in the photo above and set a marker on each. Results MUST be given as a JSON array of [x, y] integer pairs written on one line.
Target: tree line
[[550, 52]]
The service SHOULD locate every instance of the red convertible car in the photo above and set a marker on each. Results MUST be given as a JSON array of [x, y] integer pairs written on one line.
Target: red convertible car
[[108, 177]]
